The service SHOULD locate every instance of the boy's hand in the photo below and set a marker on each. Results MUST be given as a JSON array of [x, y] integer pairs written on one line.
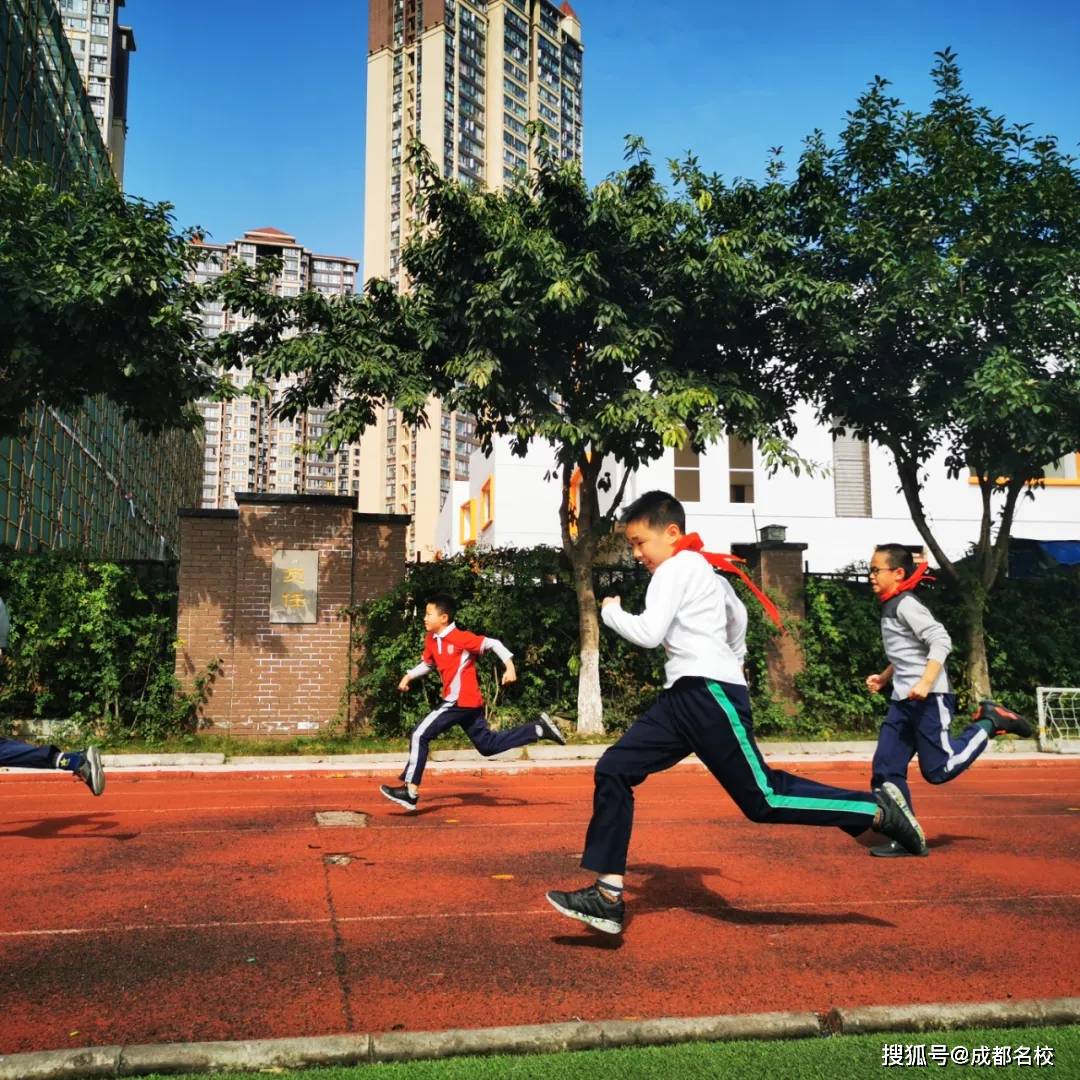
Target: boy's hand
[[510, 674], [404, 684], [610, 600], [919, 691], [874, 684]]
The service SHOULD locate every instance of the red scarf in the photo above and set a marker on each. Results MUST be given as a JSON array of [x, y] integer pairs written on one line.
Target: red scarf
[[909, 583], [729, 564]]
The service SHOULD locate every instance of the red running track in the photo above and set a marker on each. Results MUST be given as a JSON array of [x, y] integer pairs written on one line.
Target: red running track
[[192, 907]]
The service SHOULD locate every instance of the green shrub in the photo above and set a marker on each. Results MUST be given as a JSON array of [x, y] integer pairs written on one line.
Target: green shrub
[[525, 598], [1030, 642], [92, 646]]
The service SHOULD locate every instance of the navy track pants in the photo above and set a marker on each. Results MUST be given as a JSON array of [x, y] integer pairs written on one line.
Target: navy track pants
[[922, 727], [474, 723], [21, 755], [710, 719]]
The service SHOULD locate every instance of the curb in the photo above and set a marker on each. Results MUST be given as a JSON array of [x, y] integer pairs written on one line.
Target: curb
[[261, 1054], [870, 1019], [533, 757]]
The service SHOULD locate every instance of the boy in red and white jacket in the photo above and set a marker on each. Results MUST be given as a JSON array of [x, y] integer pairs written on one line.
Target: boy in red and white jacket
[[453, 652]]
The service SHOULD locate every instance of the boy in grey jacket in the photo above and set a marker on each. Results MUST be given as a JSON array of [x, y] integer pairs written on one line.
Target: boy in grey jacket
[[922, 707]]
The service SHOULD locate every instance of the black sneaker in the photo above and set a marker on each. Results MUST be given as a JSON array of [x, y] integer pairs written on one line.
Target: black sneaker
[[400, 795], [589, 906], [897, 821], [551, 731], [90, 771], [892, 850], [1005, 722]]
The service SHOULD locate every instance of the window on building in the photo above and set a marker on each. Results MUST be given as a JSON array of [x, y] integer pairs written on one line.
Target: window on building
[[1064, 470], [851, 476], [487, 502], [687, 475], [740, 470], [467, 523]]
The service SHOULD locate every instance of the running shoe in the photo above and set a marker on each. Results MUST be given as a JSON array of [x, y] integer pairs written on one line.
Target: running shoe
[[589, 906], [400, 795], [551, 731], [897, 821], [1004, 721]]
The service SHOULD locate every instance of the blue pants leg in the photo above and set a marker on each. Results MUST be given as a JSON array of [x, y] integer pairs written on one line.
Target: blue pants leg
[[20, 755], [474, 723], [489, 742], [711, 719], [942, 756], [434, 724], [895, 747]]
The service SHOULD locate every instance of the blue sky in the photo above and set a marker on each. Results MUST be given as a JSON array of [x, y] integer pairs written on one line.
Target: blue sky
[[247, 113]]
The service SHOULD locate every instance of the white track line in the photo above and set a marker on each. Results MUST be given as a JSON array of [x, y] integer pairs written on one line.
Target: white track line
[[426, 916]]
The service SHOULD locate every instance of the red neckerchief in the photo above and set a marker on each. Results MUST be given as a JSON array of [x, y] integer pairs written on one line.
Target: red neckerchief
[[921, 574], [729, 564]]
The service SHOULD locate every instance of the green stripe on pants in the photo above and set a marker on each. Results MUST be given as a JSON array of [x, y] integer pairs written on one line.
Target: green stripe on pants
[[790, 802]]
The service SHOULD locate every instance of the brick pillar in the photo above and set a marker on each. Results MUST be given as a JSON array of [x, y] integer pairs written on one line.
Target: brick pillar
[[379, 563], [206, 604], [279, 678], [777, 568]]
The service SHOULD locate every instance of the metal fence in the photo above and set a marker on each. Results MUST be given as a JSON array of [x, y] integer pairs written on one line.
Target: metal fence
[[84, 480]]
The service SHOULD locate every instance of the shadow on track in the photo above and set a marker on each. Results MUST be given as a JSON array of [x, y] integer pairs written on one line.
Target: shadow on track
[[76, 827], [667, 887]]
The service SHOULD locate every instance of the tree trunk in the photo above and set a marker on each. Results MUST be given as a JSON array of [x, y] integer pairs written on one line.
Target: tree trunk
[[978, 670], [579, 517], [988, 559], [590, 706]]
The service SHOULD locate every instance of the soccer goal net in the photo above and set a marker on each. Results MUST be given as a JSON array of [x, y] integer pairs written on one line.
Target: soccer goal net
[[1059, 718]]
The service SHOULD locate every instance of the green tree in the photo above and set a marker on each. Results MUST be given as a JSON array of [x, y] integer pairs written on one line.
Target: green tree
[[96, 298], [606, 322], [934, 297]]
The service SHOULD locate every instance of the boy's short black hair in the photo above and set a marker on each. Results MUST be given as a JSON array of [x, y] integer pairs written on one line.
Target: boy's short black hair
[[657, 509], [899, 557], [445, 603]]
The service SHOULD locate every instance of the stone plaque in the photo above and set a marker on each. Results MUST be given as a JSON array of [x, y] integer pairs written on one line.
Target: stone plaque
[[294, 586]]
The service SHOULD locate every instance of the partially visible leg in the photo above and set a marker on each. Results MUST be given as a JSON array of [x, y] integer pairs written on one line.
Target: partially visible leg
[[723, 737], [943, 756], [649, 745], [489, 742], [20, 755], [895, 748], [434, 724], [85, 764]]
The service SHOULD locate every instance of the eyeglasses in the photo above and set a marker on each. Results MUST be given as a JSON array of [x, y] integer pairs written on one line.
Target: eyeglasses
[[875, 570]]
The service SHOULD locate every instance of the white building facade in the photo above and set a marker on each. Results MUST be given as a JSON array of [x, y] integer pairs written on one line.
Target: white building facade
[[850, 503]]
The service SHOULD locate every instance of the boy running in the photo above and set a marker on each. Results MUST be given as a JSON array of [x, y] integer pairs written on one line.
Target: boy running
[[452, 653], [922, 705], [703, 709]]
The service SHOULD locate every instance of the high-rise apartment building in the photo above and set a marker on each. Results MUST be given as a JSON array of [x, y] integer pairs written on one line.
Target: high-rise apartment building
[[248, 448], [88, 479], [465, 78], [101, 48]]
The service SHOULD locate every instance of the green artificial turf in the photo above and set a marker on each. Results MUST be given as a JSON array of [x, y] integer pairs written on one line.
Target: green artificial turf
[[845, 1057]]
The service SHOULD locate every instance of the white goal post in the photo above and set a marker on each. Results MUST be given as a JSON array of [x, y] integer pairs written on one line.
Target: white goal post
[[1059, 718]]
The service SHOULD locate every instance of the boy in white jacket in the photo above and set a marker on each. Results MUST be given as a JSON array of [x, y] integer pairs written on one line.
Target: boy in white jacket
[[703, 709]]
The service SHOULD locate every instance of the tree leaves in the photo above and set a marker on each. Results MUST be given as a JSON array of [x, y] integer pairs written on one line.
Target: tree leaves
[[96, 299]]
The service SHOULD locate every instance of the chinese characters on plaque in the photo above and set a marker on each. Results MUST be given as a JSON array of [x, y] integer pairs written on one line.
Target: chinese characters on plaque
[[294, 586]]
